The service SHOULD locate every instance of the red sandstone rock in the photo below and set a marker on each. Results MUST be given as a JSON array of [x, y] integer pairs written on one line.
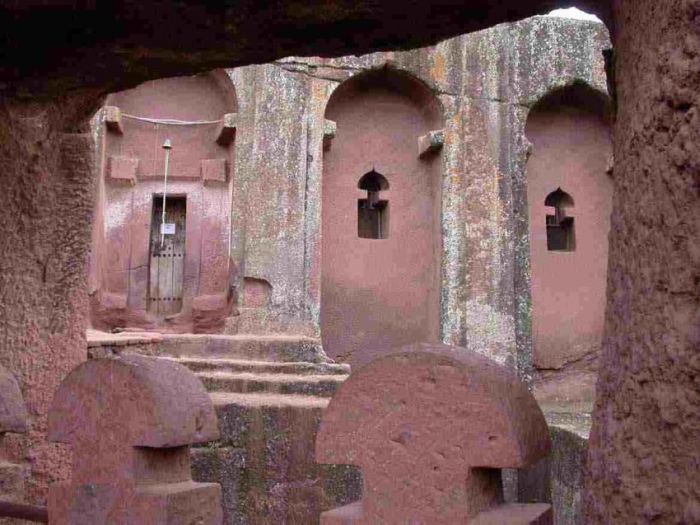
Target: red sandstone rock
[[13, 418], [430, 425], [652, 341], [187, 287], [13, 412], [130, 422], [379, 266], [568, 287]]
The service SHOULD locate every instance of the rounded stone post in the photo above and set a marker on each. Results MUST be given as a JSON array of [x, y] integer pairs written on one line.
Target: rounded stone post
[[431, 426], [130, 422]]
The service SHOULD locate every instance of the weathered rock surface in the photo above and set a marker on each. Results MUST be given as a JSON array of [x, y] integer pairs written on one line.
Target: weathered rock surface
[[265, 462], [49, 201], [269, 411], [566, 399], [486, 82], [13, 420], [46, 204], [130, 421], [120, 44], [650, 355], [645, 441]]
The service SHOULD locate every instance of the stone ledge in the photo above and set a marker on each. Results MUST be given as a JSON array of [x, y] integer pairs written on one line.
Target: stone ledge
[[280, 348]]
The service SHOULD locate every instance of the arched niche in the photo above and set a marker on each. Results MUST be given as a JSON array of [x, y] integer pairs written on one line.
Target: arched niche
[[373, 181], [380, 278], [199, 97], [176, 276], [569, 193]]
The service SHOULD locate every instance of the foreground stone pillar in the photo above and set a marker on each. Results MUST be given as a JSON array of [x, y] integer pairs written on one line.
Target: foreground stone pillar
[[431, 426], [130, 422], [645, 441]]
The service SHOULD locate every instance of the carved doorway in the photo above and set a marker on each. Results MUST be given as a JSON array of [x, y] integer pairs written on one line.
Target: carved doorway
[[167, 256]]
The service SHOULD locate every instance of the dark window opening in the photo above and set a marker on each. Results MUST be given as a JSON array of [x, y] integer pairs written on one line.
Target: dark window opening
[[373, 213], [560, 228], [372, 219]]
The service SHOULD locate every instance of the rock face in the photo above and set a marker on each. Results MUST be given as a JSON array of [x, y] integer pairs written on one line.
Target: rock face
[[269, 410], [46, 207], [13, 420], [645, 442], [308, 132], [121, 44], [652, 303], [483, 85], [431, 426]]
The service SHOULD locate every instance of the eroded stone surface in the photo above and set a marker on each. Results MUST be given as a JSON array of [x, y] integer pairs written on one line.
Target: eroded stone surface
[[46, 207], [123, 43], [13, 419], [485, 84], [430, 426], [645, 441], [129, 421]]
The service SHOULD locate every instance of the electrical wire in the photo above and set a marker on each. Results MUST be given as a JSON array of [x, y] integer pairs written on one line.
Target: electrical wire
[[171, 122]]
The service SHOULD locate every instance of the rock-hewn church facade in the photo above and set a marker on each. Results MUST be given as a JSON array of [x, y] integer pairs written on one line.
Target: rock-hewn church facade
[[317, 210]]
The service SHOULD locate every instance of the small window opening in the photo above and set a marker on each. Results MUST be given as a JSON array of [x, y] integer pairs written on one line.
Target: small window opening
[[560, 228], [372, 212]]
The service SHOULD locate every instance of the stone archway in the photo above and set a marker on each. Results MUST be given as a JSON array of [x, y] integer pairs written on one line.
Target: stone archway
[[381, 240]]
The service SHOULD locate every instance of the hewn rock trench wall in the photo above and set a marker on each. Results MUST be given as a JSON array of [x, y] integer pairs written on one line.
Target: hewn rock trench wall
[[645, 441], [642, 463], [486, 82], [46, 207]]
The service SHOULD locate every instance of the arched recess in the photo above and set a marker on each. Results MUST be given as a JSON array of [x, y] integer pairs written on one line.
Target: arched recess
[[179, 281], [569, 189], [380, 282]]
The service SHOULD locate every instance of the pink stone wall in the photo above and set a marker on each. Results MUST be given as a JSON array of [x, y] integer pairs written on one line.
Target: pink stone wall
[[46, 207], [645, 442], [379, 293], [123, 220], [572, 150]]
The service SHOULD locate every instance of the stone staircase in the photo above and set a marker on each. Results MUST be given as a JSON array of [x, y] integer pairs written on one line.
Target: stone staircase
[[269, 393], [264, 377], [269, 412]]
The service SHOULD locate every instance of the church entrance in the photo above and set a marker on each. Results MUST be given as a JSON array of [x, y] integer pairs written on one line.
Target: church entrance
[[167, 256]]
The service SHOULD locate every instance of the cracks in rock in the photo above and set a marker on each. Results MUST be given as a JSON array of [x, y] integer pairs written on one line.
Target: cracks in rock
[[303, 69], [308, 74], [325, 66]]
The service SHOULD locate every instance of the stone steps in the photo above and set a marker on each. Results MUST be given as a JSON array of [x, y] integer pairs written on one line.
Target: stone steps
[[270, 348], [267, 367], [246, 382], [253, 400], [269, 393], [265, 462]]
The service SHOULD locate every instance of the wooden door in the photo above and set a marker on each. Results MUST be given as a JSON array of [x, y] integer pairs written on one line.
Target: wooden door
[[167, 261]]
